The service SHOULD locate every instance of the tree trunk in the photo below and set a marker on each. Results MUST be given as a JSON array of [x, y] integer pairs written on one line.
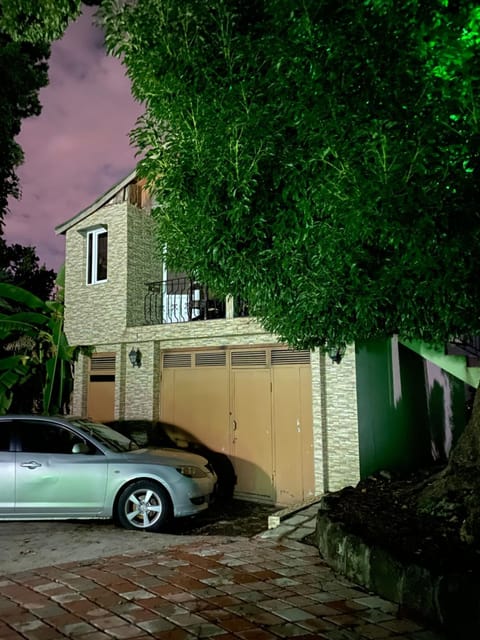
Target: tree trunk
[[456, 489]]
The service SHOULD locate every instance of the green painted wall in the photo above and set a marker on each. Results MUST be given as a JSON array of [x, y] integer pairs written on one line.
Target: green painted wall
[[409, 411], [456, 365]]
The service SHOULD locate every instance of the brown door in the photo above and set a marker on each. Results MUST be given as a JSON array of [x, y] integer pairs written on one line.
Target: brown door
[[101, 387], [252, 433], [253, 404], [195, 400], [292, 413]]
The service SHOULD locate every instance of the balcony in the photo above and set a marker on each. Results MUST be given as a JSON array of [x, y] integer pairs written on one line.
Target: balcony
[[468, 346], [184, 300]]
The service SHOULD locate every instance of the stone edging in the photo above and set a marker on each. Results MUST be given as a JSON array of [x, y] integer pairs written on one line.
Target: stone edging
[[451, 601], [275, 519]]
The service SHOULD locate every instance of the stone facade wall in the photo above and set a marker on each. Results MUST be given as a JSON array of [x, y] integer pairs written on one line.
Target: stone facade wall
[[78, 404], [205, 333], [144, 262], [335, 422], [141, 386], [96, 310]]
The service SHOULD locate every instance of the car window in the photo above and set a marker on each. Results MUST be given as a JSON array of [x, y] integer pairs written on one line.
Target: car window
[[112, 439], [4, 436], [45, 437]]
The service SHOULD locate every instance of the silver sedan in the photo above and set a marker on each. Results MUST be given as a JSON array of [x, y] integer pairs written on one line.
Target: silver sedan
[[62, 468]]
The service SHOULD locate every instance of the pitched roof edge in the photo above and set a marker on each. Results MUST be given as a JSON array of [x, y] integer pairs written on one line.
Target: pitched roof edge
[[99, 202]]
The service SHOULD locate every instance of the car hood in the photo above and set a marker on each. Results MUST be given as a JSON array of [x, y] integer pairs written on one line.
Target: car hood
[[170, 457]]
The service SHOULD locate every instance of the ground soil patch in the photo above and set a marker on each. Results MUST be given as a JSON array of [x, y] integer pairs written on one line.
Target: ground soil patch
[[382, 510], [226, 518]]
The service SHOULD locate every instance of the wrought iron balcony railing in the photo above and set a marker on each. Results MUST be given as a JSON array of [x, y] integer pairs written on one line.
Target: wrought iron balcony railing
[[468, 346], [180, 300]]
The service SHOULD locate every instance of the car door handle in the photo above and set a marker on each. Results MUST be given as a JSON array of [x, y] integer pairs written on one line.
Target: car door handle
[[31, 465]]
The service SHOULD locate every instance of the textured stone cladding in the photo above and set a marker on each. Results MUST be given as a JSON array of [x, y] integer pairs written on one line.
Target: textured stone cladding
[[335, 422], [140, 385], [95, 311], [144, 262], [78, 401]]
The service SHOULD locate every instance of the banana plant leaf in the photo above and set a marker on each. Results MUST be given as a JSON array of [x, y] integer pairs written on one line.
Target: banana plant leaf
[[22, 296], [14, 370], [48, 363], [27, 322]]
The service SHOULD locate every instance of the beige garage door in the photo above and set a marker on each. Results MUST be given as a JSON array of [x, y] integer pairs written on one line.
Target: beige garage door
[[194, 396], [101, 387], [251, 443], [253, 405], [292, 416]]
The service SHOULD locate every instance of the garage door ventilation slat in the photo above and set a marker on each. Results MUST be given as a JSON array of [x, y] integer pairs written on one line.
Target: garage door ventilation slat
[[249, 358], [211, 359], [290, 356], [100, 362], [171, 360]]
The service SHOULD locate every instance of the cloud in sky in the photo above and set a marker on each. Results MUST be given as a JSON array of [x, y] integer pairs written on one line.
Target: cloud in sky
[[78, 147]]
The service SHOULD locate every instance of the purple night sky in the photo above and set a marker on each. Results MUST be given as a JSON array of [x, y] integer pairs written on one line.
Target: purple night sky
[[78, 147]]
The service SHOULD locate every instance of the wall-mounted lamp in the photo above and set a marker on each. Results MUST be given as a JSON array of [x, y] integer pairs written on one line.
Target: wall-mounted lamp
[[336, 353], [135, 357]]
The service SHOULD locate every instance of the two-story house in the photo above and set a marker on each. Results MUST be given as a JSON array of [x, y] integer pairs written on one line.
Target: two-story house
[[293, 423], [282, 416]]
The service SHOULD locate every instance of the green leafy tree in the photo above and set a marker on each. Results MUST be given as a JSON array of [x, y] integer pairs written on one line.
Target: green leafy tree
[[35, 358], [27, 27], [318, 158], [37, 22], [19, 265], [23, 69], [321, 160]]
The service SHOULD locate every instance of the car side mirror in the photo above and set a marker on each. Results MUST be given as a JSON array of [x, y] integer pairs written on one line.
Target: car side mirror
[[80, 447]]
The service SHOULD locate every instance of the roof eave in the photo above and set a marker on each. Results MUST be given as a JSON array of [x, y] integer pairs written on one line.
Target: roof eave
[[65, 226]]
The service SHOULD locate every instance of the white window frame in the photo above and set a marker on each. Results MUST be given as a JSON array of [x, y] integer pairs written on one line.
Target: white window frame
[[92, 275]]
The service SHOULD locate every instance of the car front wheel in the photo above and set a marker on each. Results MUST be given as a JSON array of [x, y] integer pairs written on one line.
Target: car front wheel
[[143, 505]]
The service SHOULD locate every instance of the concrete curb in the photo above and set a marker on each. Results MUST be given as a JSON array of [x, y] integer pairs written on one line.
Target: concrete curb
[[277, 518], [451, 601]]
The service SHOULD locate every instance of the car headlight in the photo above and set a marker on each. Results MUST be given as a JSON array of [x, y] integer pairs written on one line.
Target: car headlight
[[192, 472]]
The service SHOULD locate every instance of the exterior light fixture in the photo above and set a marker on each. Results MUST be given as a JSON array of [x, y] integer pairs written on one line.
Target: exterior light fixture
[[135, 357], [336, 353]]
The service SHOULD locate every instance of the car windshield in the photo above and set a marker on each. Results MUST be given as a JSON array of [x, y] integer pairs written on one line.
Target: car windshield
[[107, 436]]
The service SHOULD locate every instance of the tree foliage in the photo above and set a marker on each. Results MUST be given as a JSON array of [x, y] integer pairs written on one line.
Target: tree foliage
[[27, 27], [33, 21], [318, 158], [24, 70], [39, 22], [20, 266]]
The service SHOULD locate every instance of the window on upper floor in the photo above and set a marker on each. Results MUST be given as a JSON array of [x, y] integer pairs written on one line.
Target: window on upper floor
[[97, 254]]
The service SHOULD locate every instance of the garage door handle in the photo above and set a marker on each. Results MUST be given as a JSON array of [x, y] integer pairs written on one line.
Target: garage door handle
[[31, 465], [234, 425]]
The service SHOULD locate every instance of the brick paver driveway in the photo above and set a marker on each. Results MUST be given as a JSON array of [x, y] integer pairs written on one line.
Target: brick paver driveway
[[218, 587]]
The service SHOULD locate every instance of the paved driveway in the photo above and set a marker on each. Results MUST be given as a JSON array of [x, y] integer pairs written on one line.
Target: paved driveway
[[27, 545], [226, 588]]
